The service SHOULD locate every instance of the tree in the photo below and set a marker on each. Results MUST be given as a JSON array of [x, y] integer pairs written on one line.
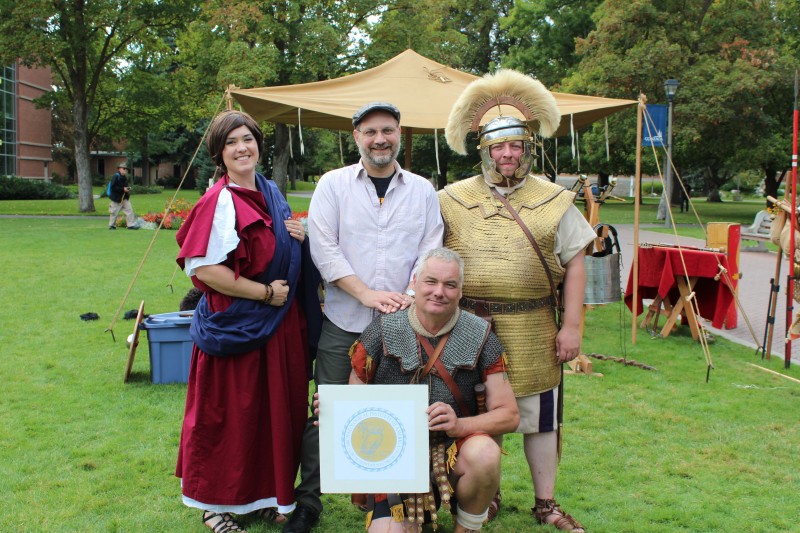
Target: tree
[[723, 54], [81, 41], [272, 43], [542, 37]]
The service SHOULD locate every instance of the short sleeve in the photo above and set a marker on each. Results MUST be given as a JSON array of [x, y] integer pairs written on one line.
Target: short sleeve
[[223, 237]]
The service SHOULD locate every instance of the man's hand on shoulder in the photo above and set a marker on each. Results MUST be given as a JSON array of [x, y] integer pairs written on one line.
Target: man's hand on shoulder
[[384, 301]]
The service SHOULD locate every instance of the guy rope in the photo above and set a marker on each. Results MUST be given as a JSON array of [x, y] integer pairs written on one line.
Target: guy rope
[[110, 327]]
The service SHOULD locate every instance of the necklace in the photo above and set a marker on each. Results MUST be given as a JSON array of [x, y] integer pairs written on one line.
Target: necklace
[[230, 179]]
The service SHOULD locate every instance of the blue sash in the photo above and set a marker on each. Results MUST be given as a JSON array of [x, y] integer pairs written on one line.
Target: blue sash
[[246, 325]]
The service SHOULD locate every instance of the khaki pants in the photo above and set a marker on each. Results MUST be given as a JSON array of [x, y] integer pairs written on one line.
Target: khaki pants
[[125, 206]]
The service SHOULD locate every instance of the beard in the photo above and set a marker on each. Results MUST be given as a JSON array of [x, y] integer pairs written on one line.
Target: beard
[[380, 160]]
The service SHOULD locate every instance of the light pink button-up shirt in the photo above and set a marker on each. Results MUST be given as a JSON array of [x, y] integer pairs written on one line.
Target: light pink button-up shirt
[[351, 233]]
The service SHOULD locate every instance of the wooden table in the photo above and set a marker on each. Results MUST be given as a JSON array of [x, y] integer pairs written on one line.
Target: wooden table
[[663, 279]]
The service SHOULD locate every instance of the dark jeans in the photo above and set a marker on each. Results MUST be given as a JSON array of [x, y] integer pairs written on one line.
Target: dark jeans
[[331, 368]]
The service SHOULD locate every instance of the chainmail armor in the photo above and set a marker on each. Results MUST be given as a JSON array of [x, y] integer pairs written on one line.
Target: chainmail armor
[[470, 350]]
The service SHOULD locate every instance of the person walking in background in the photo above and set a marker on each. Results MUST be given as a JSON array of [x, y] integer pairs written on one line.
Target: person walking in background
[[120, 198], [686, 193], [520, 237], [368, 224], [247, 393]]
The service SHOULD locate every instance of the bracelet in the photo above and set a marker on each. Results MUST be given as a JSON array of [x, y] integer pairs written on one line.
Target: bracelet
[[269, 293]]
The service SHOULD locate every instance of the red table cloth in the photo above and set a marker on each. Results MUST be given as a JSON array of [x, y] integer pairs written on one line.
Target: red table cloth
[[658, 267]]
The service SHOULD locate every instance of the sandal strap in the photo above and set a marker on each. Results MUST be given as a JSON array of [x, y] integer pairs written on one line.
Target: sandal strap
[[494, 506], [544, 509], [226, 523], [270, 514]]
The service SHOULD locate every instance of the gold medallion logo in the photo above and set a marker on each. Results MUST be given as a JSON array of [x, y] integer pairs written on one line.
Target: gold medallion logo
[[373, 439]]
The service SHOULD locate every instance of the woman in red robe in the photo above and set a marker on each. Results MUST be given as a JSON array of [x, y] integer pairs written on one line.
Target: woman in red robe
[[246, 402]]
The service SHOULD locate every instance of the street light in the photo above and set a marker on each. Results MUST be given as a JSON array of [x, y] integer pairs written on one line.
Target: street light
[[670, 88]]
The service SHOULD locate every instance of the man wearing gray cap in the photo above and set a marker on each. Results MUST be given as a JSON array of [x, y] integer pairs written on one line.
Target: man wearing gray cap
[[120, 194], [368, 224]]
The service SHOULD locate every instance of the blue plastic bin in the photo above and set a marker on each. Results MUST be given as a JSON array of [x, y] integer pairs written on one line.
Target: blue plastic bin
[[170, 346]]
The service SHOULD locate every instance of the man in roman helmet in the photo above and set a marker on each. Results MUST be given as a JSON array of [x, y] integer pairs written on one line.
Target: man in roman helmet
[[520, 237]]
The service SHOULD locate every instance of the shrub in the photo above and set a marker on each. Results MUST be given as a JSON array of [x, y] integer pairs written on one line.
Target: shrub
[[146, 189], [12, 188]]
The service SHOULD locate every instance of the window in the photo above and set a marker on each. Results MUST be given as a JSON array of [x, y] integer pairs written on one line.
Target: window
[[8, 122]]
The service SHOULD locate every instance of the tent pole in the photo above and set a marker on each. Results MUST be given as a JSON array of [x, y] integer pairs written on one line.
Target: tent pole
[[792, 243], [408, 132], [636, 201]]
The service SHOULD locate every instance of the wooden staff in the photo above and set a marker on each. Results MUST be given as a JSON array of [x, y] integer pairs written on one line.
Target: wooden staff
[[775, 287], [637, 201], [790, 285]]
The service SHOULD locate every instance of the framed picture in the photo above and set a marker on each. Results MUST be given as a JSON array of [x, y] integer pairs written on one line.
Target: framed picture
[[373, 438]]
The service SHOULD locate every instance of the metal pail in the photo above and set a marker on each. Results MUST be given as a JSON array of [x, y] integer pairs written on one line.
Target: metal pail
[[602, 279]]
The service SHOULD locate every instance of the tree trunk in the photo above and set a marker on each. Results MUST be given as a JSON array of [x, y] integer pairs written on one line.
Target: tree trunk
[[662, 207], [145, 162], [85, 193], [293, 174], [280, 158], [772, 181], [441, 179]]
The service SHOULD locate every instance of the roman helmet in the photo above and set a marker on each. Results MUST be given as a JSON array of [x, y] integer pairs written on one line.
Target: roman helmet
[[504, 88]]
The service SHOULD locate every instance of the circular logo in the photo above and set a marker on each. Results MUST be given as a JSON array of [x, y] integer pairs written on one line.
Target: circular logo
[[373, 439]]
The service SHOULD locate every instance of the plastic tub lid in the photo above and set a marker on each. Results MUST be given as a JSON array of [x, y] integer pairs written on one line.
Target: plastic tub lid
[[168, 320]]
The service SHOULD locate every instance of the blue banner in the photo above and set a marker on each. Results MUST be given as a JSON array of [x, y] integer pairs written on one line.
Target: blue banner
[[654, 125]]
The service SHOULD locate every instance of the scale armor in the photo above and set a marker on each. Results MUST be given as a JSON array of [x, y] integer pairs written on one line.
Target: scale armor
[[501, 265]]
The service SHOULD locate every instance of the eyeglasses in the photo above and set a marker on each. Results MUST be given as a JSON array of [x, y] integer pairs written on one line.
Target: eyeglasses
[[386, 132]]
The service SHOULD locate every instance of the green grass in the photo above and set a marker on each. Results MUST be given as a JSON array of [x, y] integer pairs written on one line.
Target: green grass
[[623, 213], [81, 451], [142, 204]]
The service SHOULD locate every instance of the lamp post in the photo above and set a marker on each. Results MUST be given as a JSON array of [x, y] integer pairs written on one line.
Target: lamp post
[[670, 88]]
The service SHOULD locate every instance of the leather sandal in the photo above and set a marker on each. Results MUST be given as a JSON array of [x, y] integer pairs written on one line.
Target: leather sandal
[[545, 510], [494, 507], [221, 522], [270, 514]]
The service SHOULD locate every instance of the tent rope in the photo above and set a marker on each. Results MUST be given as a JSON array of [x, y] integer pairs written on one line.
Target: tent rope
[[110, 327], [723, 273]]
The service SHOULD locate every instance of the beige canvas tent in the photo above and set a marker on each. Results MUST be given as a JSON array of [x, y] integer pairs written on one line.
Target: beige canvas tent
[[422, 89]]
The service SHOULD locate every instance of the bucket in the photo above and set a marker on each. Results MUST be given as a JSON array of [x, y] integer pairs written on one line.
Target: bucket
[[603, 269], [602, 279]]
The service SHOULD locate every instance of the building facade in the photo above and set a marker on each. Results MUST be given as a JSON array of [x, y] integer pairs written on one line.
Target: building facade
[[25, 131]]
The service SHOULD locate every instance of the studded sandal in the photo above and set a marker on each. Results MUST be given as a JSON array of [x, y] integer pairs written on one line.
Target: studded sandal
[[545, 510]]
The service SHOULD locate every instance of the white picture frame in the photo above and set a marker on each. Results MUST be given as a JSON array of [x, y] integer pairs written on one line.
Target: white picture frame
[[373, 439]]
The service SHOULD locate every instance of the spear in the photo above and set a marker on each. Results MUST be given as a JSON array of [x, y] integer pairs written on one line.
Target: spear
[[790, 284]]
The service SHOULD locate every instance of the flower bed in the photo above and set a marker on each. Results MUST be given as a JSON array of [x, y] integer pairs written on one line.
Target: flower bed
[[173, 218], [181, 208]]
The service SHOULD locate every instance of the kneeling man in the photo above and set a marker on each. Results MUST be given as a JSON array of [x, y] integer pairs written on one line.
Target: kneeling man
[[433, 342]]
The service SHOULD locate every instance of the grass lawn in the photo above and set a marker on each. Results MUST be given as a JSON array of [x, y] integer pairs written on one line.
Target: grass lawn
[[142, 203], [648, 451]]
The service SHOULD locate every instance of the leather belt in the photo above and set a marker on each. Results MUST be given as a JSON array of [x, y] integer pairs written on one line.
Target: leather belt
[[484, 307]]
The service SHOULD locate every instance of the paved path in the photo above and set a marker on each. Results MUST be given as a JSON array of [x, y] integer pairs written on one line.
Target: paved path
[[757, 269]]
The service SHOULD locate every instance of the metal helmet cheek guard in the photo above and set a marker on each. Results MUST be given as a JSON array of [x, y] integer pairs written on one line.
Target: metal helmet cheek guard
[[500, 130]]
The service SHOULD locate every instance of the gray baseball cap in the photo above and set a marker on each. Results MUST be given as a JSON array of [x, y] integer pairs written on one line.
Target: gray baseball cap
[[362, 113]]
